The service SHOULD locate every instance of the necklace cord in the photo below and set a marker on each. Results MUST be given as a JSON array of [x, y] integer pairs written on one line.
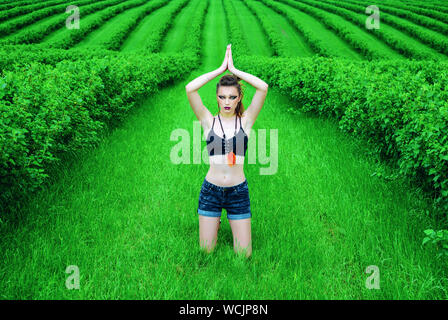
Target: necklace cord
[[224, 134]]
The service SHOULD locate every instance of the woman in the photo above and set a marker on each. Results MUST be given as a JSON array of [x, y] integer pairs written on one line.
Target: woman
[[225, 185]]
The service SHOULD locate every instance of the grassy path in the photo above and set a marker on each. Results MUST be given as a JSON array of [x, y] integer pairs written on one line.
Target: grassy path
[[335, 45], [176, 34], [103, 34], [148, 28], [255, 38], [63, 32], [126, 215], [400, 35], [358, 34], [294, 43], [56, 23], [32, 9]]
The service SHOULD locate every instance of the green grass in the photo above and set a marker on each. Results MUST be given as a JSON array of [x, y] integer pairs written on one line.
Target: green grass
[[401, 35], [126, 215], [35, 26], [137, 38], [55, 22], [177, 33], [295, 44], [373, 44], [336, 46], [62, 33], [105, 33], [255, 38]]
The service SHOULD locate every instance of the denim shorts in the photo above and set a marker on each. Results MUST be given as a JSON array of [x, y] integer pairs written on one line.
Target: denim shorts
[[234, 199]]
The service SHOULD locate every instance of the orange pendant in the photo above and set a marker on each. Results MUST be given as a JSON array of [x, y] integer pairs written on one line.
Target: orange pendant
[[231, 159]]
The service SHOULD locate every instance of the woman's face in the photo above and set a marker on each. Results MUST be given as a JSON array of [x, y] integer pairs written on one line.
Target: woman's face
[[228, 97]]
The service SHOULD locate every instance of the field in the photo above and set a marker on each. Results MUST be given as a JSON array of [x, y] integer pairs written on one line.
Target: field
[[90, 117]]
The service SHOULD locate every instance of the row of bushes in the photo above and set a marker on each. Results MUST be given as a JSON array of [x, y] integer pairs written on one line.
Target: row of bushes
[[233, 28], [13, 3], [421, 10], [269, 28], [192, 42], [359, 19], [98, 20], [55, 101], [399, 106], [15, 25], [47, 110], [11, 12], [419, 16], [435, 41], [156, 37], [36, 34], [128, 24], [318, 46], [20, 55], [344, 32]]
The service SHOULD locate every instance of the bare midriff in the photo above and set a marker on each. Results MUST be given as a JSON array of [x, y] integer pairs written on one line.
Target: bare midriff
[[221, 174]]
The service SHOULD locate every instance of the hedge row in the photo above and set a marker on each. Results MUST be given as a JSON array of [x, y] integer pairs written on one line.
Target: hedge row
[[49, 110], [76, 35], [233, 27], [15, 25], [191, 45], [428, 6], [318, 46], [417, 15], [399, 106], [21, 10], [344, 32], [23, 54], [36, 34], [14, 3], [128, 24], [269, 28], [155, 38], [436, 41], [192, 42], [359, 19]]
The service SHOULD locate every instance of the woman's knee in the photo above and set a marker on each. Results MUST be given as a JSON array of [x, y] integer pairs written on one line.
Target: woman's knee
[[243, 248], [207, 245]]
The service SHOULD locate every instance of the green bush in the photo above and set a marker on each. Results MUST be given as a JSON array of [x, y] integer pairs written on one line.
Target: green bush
[[50, 109], [401, 107]]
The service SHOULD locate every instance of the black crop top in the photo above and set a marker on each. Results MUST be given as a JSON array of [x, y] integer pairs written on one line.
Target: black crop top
[[216, 144]]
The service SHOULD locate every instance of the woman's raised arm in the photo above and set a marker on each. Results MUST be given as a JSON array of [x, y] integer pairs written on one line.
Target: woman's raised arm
[[192, 88], [260, 95]]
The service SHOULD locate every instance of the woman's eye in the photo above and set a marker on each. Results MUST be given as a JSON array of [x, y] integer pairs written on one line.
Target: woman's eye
[[232, 97]]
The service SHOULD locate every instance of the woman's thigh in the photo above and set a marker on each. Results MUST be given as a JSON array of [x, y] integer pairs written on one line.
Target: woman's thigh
[[242, 235], [208, 231]]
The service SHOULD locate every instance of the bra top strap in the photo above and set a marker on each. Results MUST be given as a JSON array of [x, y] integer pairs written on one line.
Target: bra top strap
[[213, 122], [224, 134]]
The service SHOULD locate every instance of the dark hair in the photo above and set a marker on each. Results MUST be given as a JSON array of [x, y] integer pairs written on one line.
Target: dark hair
[[231, 80]]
